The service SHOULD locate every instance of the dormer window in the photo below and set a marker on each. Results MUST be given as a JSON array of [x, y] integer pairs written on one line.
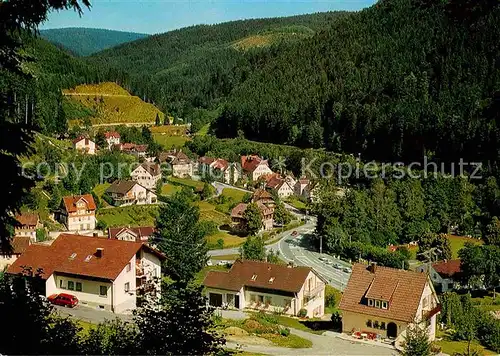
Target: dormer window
[[384, 305], [254, 277], [370, 302], [377, 304], [271, 280]]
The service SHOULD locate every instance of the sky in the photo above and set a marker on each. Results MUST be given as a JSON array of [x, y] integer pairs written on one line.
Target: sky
[[157, 16]]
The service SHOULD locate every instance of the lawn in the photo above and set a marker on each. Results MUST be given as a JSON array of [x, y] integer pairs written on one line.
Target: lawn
[[86, 326], [457, 242], [170, 141], [170, 189], [451, 347], [135, 215], [229, 240], [208, 212], [204, 130], [187, 182], [296, 203], [226, 257], [234, 194], [99, 189]]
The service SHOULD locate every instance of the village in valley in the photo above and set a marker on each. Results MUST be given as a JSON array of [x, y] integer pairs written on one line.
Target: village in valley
[[275, 186]]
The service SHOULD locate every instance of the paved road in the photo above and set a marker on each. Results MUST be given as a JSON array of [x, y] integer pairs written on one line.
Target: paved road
[[91, 315], [322, 345]]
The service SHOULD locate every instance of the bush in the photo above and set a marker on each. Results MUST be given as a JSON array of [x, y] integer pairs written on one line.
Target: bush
[[284, 331], [302, 313], [101, 225], [220, 244], [329, 298], [336, 320]]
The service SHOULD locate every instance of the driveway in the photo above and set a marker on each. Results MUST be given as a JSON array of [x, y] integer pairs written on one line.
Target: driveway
[[322, 345], [91, 315]]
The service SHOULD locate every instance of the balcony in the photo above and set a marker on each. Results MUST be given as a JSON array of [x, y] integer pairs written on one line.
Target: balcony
[[308, 293], [139, 269]]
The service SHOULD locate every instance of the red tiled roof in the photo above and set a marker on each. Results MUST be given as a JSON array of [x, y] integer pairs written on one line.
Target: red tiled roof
[[220, 164], [275, 183], [251, 162], [71, 201], [287, 279], [57, 257], [109, 134], [27, 219], [206, 160], [18, 245], [403, 289], [238, 210], [448, 269], [261, 194], [142, 233]]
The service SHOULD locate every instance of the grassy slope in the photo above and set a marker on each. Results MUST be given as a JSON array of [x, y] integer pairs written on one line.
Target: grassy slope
[[457, 242], [112, 104]]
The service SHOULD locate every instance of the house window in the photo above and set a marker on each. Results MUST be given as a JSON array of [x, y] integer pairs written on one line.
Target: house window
[[370, 302], [61, 284], [287, 303], [71, 285], [382, 325], [253, 297], [369, 323], [384, 305], [268, 300], [127, 287], [375, 324], [129, 267], [103, 291], [377, 304], [78, 287]]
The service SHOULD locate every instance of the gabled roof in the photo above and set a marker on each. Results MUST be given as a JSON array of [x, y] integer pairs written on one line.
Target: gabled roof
[[258, 274], [80, 138], [206, 160], [220, 164], [121, 186], [109, 134], [71, 201], [27, 219], [141, 233], [261, 194], [238, 210], [18, 245], [448, 269], [251, 162], [152, 168], [402, 289], [132, 147], [174, 157], [76, 255]]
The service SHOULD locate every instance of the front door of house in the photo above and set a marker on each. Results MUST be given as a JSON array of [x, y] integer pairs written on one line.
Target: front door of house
[[392, 330], [237, 301]]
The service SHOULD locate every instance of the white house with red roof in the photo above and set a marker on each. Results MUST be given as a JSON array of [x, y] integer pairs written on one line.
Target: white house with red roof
[[112, 138], [282, 187], [137, 234], [445, 275], [107, 274], [255, 167], [147, 174], [77, 212], [85, 145], [383, 302], [269, 287], [219, 169]]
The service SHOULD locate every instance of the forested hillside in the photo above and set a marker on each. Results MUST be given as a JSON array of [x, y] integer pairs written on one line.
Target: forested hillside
[[86, 41], [399, 80], [197, 67], [40, 102]]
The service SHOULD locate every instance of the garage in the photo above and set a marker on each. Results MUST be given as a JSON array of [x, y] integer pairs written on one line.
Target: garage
[[215, 299]]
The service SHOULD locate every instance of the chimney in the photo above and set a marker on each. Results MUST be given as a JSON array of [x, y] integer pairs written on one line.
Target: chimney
[[99, 252], [373, 267]]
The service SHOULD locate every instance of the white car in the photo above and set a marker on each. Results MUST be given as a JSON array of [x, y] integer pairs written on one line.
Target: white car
[[324, 259], [209, 263]]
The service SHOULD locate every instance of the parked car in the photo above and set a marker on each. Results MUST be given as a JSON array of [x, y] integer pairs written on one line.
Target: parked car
[[295, 233], [346, 270], [63, 299], [337, 266], [323, 259], [209, 263]]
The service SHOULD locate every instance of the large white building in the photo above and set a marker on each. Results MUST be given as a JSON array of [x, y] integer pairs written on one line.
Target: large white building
[[128, 192], [104, 273], [147, 175], [78, 212]]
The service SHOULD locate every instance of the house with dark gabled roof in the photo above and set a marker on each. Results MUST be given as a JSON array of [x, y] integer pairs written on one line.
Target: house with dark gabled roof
[[85, 145], [179, 162], [382, 301], [28, 224], [104, 273], [137, 234], [77, 212], [147, 174], [269, 287], [18, 245], [445, 275], [129, 192]]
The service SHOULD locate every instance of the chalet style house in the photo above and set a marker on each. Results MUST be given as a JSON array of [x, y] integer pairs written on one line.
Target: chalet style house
[[179, 162], [264, 286], [102, 273], [29, 223], [385, 301], [18, 245], [128, 192], [445, 275], [282, 187], [78, 212], [137, 234], [219, 169], [112, 139], [85, 145], [254, 167], [147, 175], [266, 205]]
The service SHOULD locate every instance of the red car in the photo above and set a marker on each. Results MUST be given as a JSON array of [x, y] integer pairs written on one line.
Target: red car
[[63, 299], [295, 233]]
